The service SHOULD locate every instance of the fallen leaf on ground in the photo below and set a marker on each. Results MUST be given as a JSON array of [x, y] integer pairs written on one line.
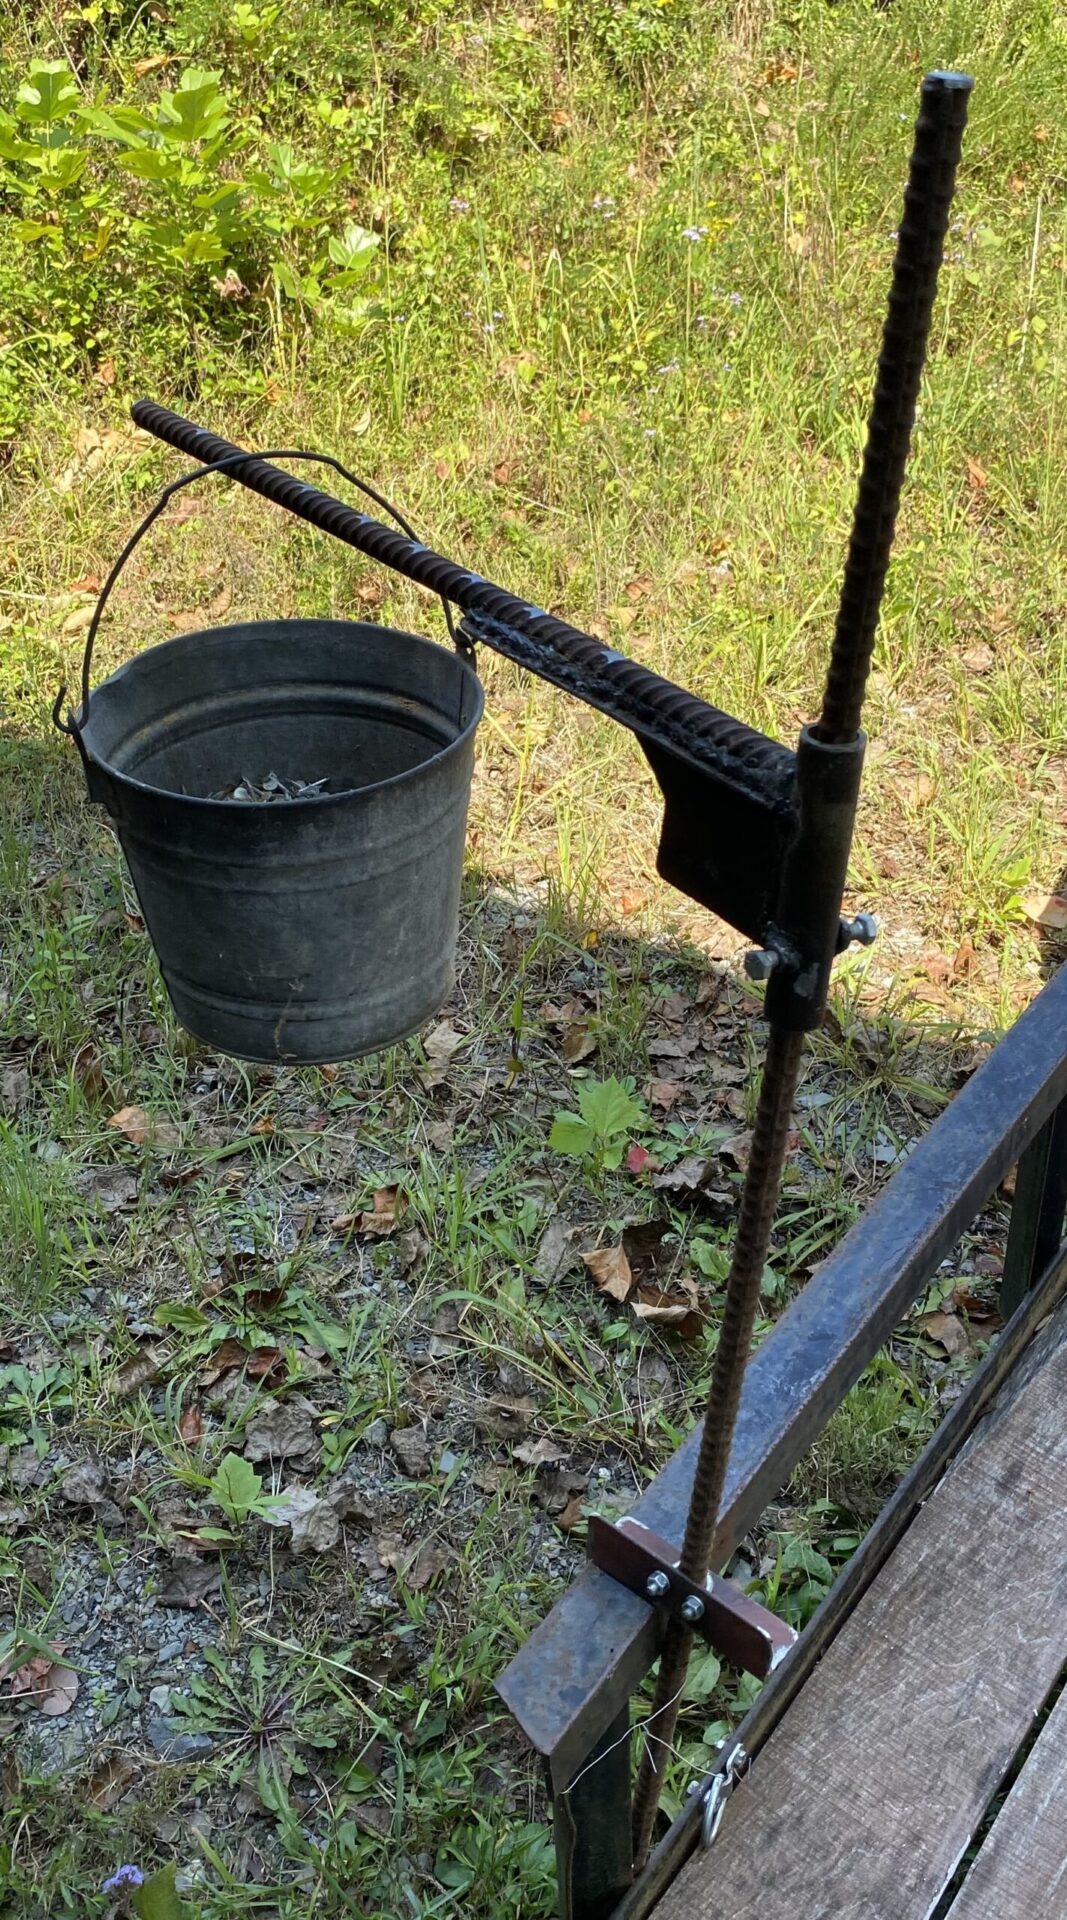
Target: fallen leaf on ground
[[555, 1491], [63, 1685], [541, 1453], [314, 1524], [377, 1221], [1047, 910], [504, 1419], [611, 1270], [948, 1331], [86, 1485], [189, 1583], [11, 1517], [573, 1514], [141, 1128], [978, 659], [440, 1044], [638, 1158], [30, 1680], [662, 1094], [976, 474], [109, 1780], [282, 1430], [679, 1306], [431, 1559], [191, 1426], [578, 1043], [555, 1251], [114, 1187], [411, 1449], [88, 1069], [229, 1353], [14, 1088], [137, 1372]]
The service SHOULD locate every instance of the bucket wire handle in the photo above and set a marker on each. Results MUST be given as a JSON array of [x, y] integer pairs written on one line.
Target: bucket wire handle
[[73, 723]]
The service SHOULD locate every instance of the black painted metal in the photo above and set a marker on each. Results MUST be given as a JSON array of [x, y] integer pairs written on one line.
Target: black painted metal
[[854, 1580], [1038, 1209], [591, 1827], [569, 1680]]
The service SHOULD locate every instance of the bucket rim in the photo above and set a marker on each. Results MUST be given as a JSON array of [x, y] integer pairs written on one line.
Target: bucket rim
[[129, 783]]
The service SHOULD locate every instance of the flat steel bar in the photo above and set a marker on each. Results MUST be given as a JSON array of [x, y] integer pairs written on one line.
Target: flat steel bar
[[591, 1829], [853, 1581], [1038, 1208], [570, 1679]]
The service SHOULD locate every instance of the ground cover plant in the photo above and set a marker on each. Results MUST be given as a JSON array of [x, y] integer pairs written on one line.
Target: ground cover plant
[[308, 1379]]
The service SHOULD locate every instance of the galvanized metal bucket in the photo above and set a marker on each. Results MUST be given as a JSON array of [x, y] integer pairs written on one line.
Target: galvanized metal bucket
[[313, 929]]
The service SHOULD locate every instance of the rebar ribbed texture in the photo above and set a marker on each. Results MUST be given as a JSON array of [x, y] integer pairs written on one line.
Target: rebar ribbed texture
[[920, 243], [758, 1202], [638, 697]]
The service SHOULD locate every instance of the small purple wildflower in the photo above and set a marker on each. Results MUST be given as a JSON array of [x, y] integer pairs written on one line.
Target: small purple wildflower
[[457, 204], [735, 299], [694, 233], [604, 204], [123, 1878]]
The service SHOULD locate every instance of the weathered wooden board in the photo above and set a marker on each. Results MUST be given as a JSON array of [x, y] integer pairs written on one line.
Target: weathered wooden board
[[865, 1798], [1021, 1871]]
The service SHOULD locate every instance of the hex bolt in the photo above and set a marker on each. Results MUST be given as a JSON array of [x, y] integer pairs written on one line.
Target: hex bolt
[[760, 963], [863, 929], [692, 1609], [657, 1585]]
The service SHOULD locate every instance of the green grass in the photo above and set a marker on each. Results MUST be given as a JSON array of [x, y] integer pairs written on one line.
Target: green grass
[[658, 435]]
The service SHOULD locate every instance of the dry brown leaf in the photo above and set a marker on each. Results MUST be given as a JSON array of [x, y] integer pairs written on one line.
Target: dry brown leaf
[[88, 1070], [947, 1329], [977, 476], [190, 1582], [573, 1514], [14, 1087], [504, 1419], [191, 1426], [679, 1306], [63, 1686], [137, 1372], [1047, 910], [431, 1559], [439, 1046], [282, 1430], [578, 1043], [979, 658], [611, 1271], [555, 1251], [140, 1127], [266, 1362], [78, 621], [385, 1215], [412, 1450], [110, 1780], [229, 1353], [541, 1453]]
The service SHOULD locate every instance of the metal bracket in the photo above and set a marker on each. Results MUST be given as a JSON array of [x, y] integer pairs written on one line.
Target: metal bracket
[[746, 1634]]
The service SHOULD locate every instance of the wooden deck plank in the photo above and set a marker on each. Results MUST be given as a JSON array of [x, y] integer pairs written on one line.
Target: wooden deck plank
[[868, 1794], [1021, 1871]]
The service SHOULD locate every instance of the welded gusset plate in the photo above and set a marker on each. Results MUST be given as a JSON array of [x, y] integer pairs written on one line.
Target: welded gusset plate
[[723, 841], [746, 1634]]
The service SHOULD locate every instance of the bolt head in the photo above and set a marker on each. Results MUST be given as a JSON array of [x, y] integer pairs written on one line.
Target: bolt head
[[864, 929], [692, 1609], [760, 963], [657, 1585]]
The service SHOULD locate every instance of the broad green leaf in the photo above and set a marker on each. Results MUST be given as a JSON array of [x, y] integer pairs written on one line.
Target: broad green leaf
[[196, 110], [354, 249], [236, 1485], [702, 1678], [125, 124], [149, 163], [184, 1319], [570, 1134], [799, 1557], [158, 1899], [48, 93], [610, 1108]]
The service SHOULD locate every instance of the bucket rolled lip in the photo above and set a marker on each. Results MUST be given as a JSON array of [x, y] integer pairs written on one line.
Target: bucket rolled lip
[[178, 640]]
